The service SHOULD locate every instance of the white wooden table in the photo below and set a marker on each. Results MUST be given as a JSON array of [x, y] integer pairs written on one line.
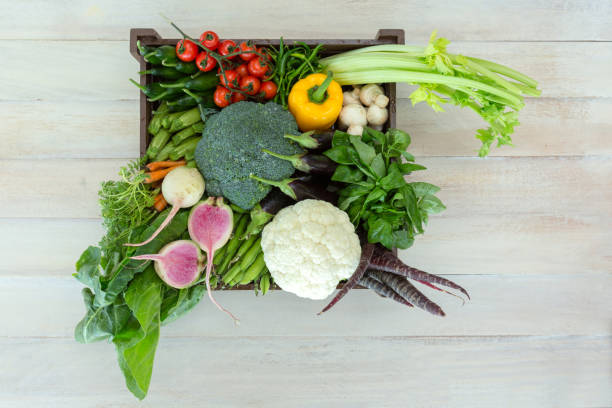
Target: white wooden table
[[528, 230]]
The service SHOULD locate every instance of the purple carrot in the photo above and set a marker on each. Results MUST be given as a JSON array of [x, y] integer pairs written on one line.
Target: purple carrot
[[431, 285], [383, 260], [382, 289], [364, 262], [407, 290]]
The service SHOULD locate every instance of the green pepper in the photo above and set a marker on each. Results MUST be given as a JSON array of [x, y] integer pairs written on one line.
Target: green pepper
[[148, 53], [188, 68], [155, 91], [163, 72], [203, 82], [166, 54]]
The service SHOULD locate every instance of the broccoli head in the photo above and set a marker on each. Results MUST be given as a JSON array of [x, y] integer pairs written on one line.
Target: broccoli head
[[231, 149]]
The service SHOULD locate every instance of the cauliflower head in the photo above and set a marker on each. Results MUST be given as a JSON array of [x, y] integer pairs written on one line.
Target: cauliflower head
[[309, 247]]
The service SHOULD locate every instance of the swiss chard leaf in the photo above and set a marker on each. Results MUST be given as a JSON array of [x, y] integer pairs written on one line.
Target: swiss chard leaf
[[183, 301], [100, 323], [137, 342], [130, 268]]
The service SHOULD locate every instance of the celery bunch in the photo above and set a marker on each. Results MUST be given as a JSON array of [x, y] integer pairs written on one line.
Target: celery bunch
[[494, 91]]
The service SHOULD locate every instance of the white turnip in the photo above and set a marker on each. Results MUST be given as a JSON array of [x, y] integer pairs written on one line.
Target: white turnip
[[181, 188]]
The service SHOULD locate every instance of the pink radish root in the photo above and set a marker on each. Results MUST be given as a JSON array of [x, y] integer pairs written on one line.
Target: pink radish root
[[210, 225]]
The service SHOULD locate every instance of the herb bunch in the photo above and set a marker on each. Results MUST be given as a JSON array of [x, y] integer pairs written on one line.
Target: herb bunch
[[125, 204], [377, 196]]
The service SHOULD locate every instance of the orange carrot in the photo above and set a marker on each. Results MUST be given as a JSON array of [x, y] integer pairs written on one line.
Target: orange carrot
[[160, 174], [158, 165], [161, 203]]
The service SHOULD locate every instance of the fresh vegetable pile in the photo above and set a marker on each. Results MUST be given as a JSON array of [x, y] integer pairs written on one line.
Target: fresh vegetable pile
[[270, 166]]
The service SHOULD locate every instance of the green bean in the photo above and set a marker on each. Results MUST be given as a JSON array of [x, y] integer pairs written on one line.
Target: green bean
[[221, 251], [253, 271], [246, 255], [264, 282], [234, 243]]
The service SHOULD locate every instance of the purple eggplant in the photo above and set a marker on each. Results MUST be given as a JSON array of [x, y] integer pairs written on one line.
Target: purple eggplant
[[300, 189], [310, 163], [313, 140]]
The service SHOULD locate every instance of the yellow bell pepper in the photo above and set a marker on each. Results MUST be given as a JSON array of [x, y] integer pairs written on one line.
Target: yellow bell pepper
[[315, 102]]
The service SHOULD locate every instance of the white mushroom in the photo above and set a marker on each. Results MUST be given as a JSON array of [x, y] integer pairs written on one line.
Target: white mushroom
[[369, 92], [355, 130], [381, 101], [352, 114], [377, 115], [349, 98]]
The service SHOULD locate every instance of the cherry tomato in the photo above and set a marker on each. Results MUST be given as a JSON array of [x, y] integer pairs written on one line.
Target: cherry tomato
[[242, 70], [232, 79], [250, 84], [205, 62], [237, 97], [227, 47], [247, 49], [222, 97], [186, 50], [258, 67], [268, 89], [210, 40]]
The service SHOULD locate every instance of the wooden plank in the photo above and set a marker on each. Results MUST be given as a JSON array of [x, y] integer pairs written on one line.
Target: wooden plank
[[99, 70], [536, 244], [108, 129], [556, 304], [484, 20], [317, 372], [549, 127], [68, 129], [576, 186]]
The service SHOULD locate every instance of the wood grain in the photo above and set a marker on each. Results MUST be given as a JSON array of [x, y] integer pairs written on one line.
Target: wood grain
[[559, 67], [109, 129], [552, 186], [318, 372], [567, 304], [480, 20]]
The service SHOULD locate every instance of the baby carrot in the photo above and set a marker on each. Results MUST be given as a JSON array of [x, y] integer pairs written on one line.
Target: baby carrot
[[161, 203], [153, 166], [160, 174]]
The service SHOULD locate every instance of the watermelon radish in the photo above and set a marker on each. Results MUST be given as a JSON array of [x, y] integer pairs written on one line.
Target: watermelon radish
[[178, 263], [210, 225], [181, 188]]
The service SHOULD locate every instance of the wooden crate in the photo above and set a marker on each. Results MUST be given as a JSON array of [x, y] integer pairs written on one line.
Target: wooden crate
[[150, 37]]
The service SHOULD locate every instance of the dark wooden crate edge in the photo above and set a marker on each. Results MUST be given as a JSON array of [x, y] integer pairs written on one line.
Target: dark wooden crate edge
[[149, 36]]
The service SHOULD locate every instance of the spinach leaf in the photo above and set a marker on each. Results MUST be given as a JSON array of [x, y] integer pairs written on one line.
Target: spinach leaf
[[402, 239], [340, 154], [394, 179], [378, 166], [379, 230], [407, 168], [370, 135], [137, 342], [340, 139], [366, 152], [347, 174]]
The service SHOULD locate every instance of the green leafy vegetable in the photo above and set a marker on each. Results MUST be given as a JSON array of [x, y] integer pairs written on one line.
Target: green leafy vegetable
[[377, 196]]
